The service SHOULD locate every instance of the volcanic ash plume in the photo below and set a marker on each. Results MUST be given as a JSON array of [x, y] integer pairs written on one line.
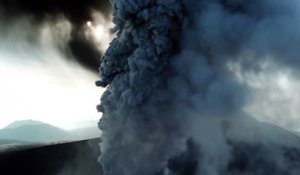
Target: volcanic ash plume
[[170, 78]]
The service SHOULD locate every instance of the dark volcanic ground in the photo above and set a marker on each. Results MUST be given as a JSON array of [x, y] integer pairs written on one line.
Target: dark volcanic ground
[[75, 158]]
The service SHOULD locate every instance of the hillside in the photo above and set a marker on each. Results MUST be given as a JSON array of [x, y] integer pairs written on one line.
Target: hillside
[[72, 158], [19, 123], [7, 141], [33, 131], [257, 156], [256, 149], [30, 131], [85, 133]]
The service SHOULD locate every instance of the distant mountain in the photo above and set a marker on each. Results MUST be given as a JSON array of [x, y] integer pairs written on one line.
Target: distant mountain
[[7, 141], [249, 130], [19, 123], [31, 131], [34, 131]]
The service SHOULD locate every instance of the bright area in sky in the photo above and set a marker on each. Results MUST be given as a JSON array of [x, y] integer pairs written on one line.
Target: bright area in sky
[[39, 82], [63, 95], [273, 95], [98, 31]]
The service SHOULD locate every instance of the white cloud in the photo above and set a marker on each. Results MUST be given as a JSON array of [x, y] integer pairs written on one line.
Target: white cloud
[[274, 95]]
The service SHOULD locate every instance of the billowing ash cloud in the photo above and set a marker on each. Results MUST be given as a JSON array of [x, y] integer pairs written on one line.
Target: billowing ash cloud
[[171, 79], [84, 50]]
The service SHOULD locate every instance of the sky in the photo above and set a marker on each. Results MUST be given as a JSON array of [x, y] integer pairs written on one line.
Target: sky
[[274, 96], [49, 55], [62, 94]]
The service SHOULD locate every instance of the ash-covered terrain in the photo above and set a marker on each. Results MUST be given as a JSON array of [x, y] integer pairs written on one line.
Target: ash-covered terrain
[[26, 133], [255, 150], [70, 158]]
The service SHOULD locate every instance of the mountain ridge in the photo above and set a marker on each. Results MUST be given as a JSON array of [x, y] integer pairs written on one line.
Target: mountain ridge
[[19, 123], [31, 131]]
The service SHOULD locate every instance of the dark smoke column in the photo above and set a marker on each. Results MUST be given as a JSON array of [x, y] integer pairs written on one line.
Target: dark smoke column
[[172, 73], [134, 139]]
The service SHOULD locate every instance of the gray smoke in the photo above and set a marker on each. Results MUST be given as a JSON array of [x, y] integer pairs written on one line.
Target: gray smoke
[[169, 77]]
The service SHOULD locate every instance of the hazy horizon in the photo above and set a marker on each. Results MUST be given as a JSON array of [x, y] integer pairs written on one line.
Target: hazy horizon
[[73, 126]]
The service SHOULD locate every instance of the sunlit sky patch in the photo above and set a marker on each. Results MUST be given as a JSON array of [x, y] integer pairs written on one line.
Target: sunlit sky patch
[[61, 97]]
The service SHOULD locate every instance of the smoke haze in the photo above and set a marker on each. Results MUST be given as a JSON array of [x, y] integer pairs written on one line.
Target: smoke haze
[[179, 70]]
